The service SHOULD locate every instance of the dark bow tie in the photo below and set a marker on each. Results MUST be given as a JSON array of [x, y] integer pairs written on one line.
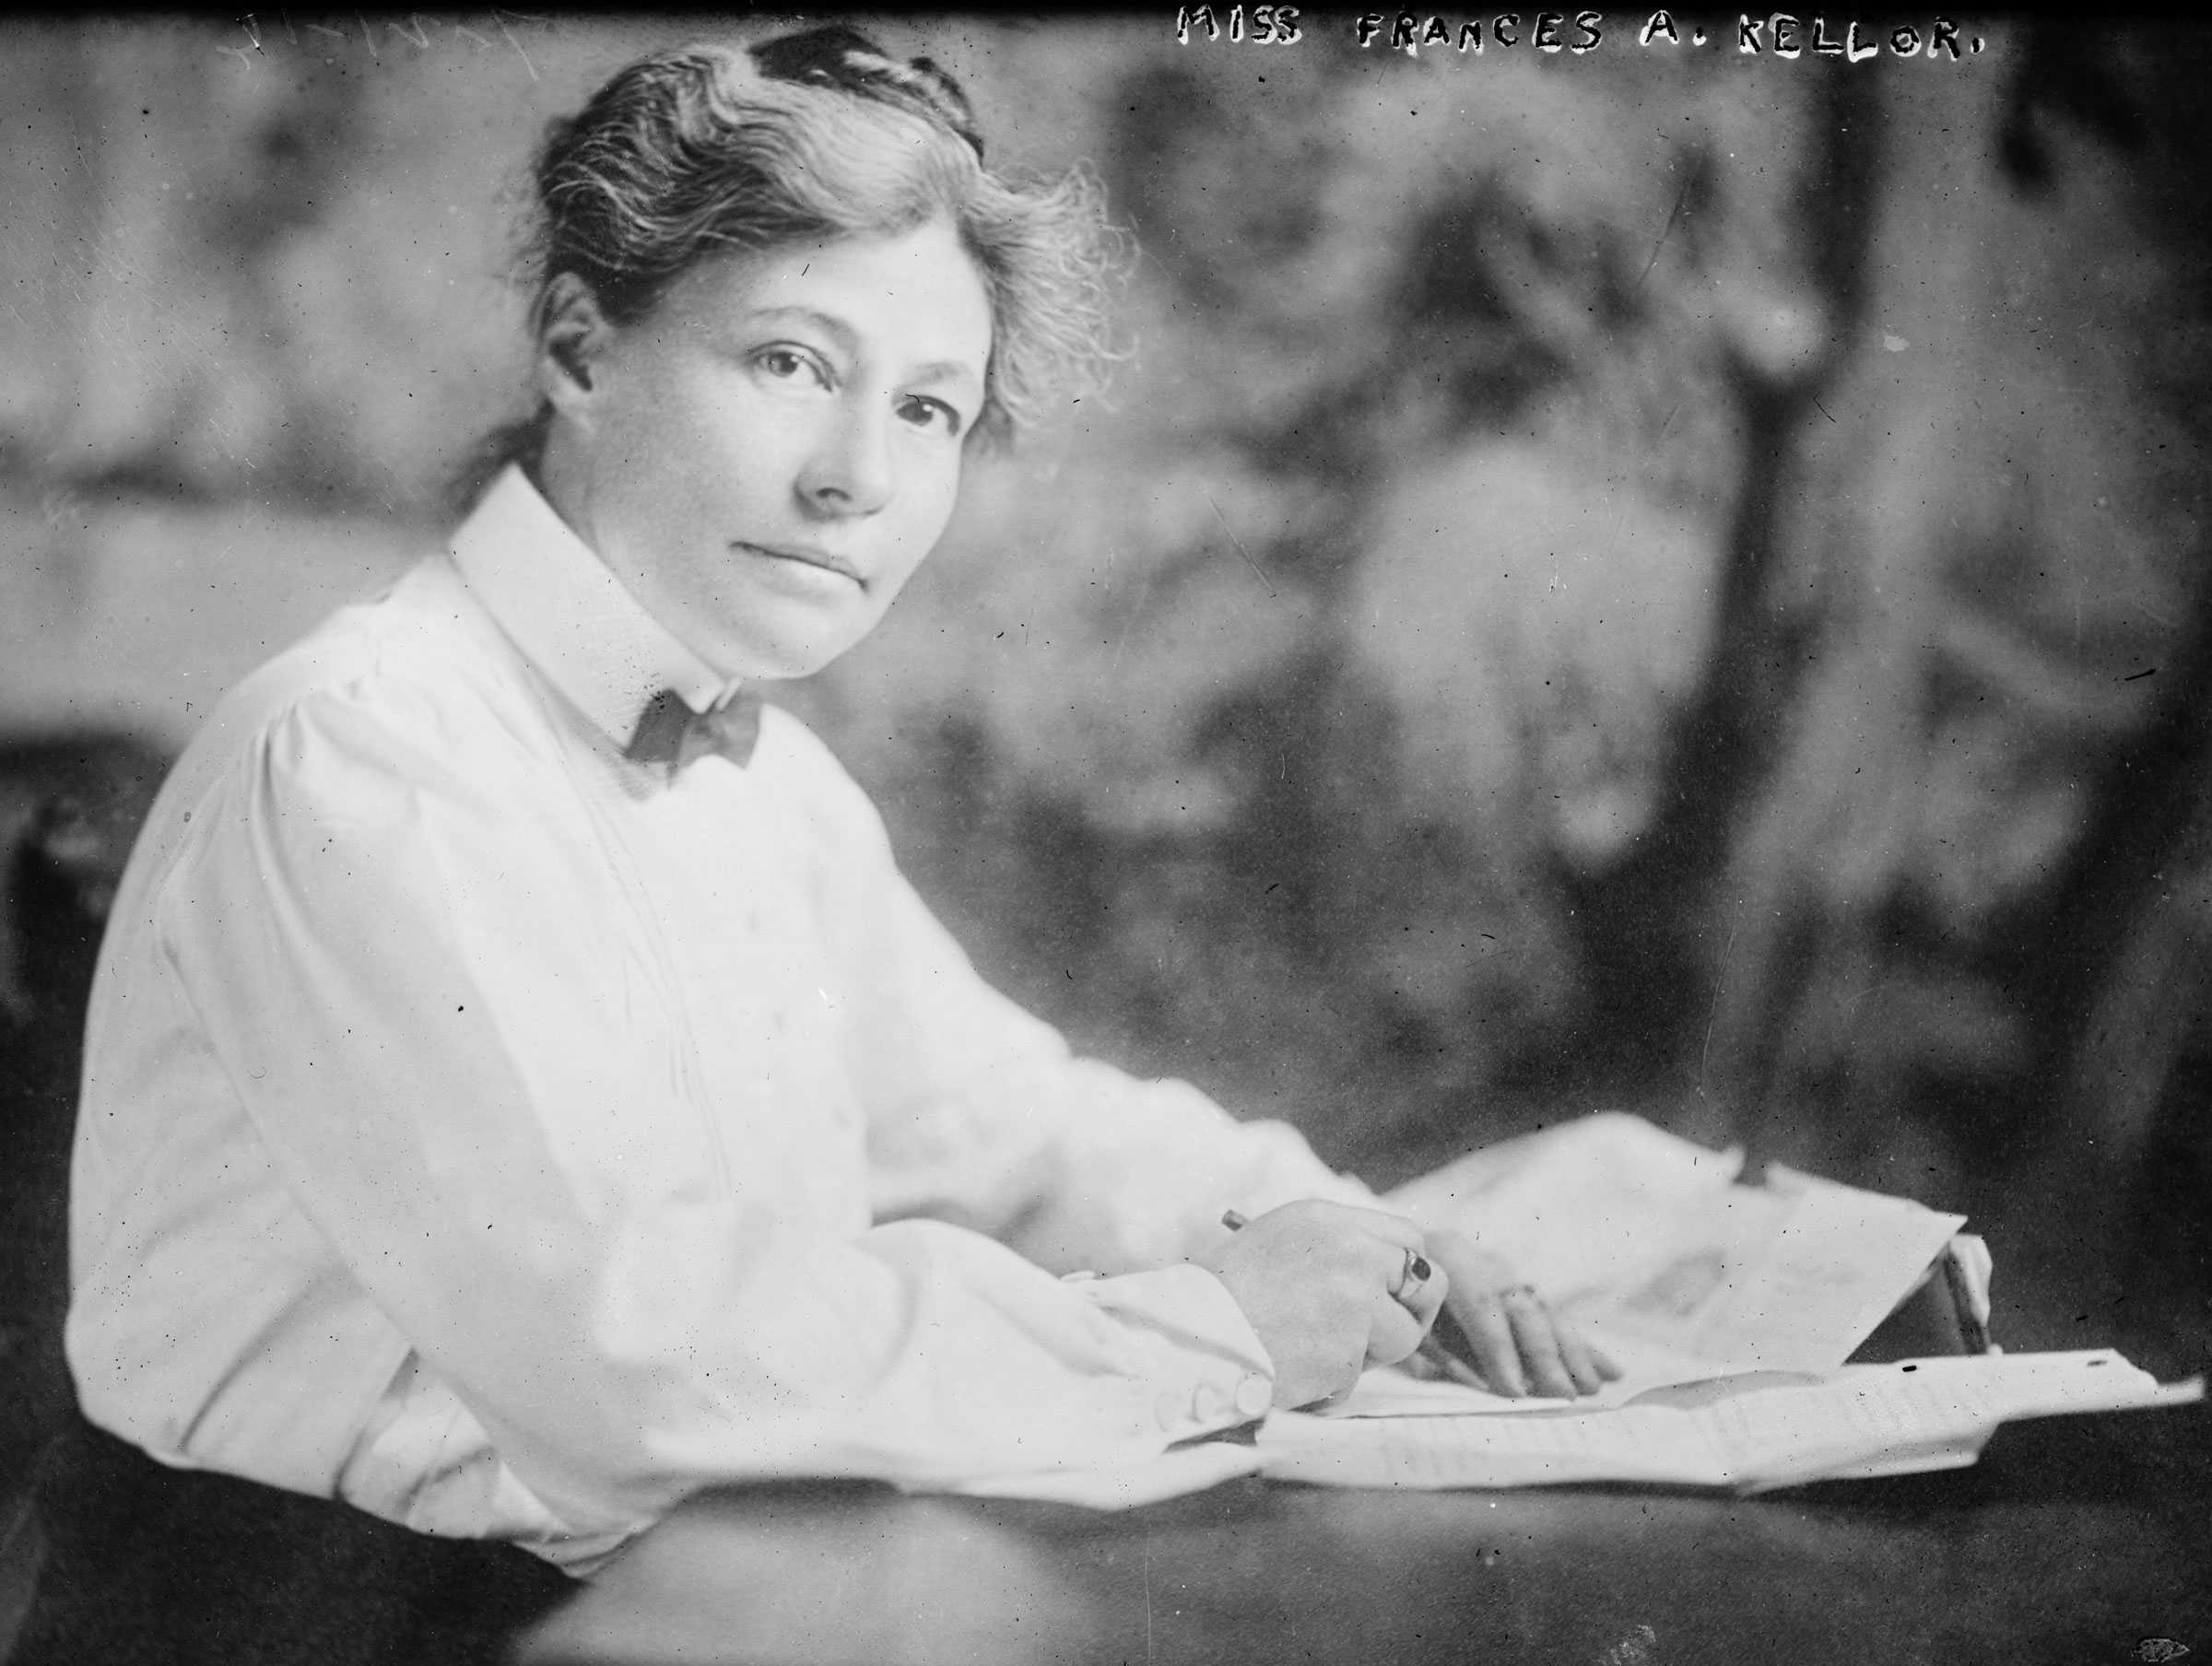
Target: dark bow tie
[[670, 732]]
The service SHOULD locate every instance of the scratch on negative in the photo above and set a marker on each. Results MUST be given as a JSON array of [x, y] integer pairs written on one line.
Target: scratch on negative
[[1148, 1597], [517, 46], [1238, 543], [1144, 594], [1672, 215], [1713, 1013]]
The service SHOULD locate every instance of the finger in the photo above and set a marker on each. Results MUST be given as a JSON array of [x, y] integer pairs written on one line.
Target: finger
[[1611, 1369], [1449, 1365], [1538, 1343], [1398, 1269], [1576, 1356], [1424, 1296], [1325, 1376], [1489, 1342], [1391, 1332], [1422, 1367]]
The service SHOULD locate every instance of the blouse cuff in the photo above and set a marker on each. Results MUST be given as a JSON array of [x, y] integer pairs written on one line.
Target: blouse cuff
[[1209, 1366]]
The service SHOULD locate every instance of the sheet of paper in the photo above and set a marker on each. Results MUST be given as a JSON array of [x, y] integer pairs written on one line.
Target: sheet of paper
[[1643, 1235], [1772, 1430], [2036, 1385], [1917, 1460], [1653, 1444], [1694, 1264], [1789, 1433], [1586, 1207], [1884, 1413], [1838, 1262]]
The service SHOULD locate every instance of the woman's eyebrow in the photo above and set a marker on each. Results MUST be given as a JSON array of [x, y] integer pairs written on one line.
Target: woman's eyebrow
[[847, 339], [947, 369]]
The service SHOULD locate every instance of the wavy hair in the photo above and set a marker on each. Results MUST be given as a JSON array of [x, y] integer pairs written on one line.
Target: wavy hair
[[706, 151]]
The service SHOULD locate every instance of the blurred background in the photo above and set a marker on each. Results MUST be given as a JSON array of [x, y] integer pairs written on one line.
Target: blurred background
[[1656, 579]]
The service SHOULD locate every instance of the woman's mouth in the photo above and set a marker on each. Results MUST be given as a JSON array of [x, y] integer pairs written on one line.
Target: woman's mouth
[[826, 560]]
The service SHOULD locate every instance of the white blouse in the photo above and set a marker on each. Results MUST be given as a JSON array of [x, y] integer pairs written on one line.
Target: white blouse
[[505, 1136]]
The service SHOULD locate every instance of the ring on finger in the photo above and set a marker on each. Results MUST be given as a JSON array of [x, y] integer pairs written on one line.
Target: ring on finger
[[1411, 1276]]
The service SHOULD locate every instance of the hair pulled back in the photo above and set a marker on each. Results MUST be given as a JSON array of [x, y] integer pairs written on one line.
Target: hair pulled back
[[706, 151]]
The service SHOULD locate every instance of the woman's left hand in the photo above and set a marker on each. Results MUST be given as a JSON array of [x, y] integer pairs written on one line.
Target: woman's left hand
[[1507, 1331]]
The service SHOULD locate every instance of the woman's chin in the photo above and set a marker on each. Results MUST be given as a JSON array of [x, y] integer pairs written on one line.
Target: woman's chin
[[782, 661]]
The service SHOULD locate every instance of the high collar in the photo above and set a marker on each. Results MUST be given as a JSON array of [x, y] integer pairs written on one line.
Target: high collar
[[569, 613]]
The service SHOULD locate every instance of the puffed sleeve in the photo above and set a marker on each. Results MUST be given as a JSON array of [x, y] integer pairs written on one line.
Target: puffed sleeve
[[980, 1113], [452, 1063]]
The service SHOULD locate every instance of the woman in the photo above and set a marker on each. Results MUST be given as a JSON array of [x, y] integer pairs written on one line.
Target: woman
[[520, 1089]]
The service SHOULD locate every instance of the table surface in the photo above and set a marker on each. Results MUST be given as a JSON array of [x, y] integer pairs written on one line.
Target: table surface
[[2075, 1540]]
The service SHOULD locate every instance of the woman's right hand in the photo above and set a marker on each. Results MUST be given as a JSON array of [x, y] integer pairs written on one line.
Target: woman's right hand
[[1315, 1281]]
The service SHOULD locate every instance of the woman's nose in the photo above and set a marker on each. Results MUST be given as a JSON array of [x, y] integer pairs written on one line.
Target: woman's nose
[[850, 472]]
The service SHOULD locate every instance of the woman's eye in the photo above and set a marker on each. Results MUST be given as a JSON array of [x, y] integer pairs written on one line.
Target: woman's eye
[[930, 413], [788, 364]]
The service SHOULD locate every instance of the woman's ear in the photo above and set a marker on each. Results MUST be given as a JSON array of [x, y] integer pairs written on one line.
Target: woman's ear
[[572, 333]]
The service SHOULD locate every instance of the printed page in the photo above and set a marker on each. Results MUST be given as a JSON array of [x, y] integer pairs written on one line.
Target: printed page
[[1785, 1435], [1912, 1413], [1654, 1445], [1751, 1432], [2037, 1385]]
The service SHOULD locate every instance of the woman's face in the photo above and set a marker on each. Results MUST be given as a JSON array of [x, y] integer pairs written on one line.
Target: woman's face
[[766, 457]]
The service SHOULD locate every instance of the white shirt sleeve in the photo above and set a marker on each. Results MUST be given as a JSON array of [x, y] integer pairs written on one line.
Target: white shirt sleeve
[[979, 1113], [460, 1084]]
